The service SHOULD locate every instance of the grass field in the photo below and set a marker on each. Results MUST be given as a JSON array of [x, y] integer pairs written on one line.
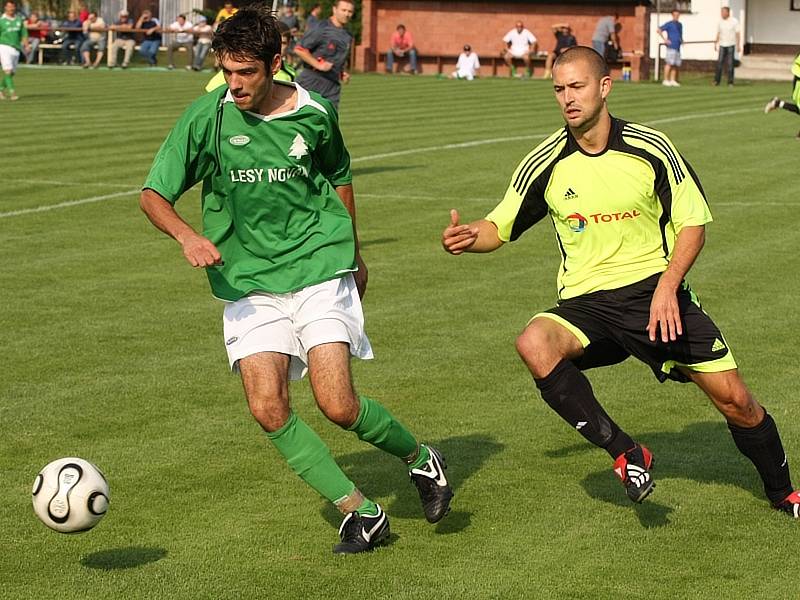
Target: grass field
[[113, 352]]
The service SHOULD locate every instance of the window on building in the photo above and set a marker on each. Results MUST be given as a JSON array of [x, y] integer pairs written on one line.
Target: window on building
[[794, 4]]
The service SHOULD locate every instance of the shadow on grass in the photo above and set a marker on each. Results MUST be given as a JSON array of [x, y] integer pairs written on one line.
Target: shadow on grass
[[359, 171], [376, 242], [702, 452], [379, 474], [123, 558]]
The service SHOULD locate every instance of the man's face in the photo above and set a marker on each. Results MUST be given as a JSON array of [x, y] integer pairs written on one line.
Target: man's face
[[71, 15], [146, 15], [92, 17], [725, 12], [343, 12], [10, 8], [676, 15], [248, 80], [580, 94], [519, 26], [181, 19], [228, 6], [401, 30]]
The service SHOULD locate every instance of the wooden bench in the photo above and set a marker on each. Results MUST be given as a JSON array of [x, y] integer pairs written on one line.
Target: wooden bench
[[43, 47]]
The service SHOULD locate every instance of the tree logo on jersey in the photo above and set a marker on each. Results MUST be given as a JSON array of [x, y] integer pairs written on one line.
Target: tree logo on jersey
[[576, 222], [570, 194], [299, 147], [239, 140]]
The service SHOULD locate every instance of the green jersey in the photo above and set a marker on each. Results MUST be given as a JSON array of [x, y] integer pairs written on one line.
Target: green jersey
[[616, 213], [12, 31], [268, 199]]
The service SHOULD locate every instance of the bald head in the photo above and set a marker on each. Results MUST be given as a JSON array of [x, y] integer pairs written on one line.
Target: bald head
[[584, 54]]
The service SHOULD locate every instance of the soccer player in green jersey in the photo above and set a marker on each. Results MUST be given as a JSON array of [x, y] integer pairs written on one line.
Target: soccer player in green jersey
[[629, 215], [777, 103], [279, 246], [13, 39]]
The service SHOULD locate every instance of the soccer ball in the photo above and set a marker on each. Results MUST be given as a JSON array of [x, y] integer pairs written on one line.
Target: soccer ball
[[70, 495]]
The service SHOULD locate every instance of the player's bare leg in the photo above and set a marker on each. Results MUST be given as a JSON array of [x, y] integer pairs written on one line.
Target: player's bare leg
[[754, 433]]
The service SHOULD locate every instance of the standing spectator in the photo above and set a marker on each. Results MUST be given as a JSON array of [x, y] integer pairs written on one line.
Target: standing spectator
[[728, 40], [468, 65], [289, 18], [402, 45], [325, 50], [37, 31], [777, 103], [94, 33], [564, 40], [13, 39], [183, 37], [672, 32], [226, 12], [520, 44], [203, 31], [124, 39], [606, 31], [148, 49], [312, 20], [73, 38]]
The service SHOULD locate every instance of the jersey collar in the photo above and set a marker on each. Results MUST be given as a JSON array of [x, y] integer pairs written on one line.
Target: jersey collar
[[303, 99]]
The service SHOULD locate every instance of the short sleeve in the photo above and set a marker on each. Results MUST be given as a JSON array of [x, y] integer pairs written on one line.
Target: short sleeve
[[331, 155], [311, 40]]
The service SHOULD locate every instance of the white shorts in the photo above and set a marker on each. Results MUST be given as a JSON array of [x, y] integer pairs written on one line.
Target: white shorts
[[673, 57], [294, 323], [9, 57]]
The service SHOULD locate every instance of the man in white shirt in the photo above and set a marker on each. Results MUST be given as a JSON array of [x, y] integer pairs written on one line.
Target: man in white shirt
[[520, 44], [204, 32], [468, 65], [728, 41], [183, 37], [94, 33]]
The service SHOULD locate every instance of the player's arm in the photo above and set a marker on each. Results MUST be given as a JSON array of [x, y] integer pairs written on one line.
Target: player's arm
[[345, 193], [478, 236], [198, 250]]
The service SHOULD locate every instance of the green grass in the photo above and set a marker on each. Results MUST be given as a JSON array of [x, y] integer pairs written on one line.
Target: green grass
[[113, 352]]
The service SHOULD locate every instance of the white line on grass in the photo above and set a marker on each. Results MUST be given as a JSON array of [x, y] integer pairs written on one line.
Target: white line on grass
[[27, 211], [70, 183]]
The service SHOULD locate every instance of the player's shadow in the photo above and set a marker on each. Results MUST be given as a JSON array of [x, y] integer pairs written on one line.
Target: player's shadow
[[379, 474], [361, 171], [123, 558], [702, 452], [376, 242]]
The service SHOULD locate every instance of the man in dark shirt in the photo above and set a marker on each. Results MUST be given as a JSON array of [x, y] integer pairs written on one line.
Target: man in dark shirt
[[152, 37], [564, 40], [72, 40], [325, 50]]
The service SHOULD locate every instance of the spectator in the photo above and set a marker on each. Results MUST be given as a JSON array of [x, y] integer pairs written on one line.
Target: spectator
[[520, 44], [606, 31], [312, 20], [564, 40], [468, 65], [402, 45], [325, 50], [148, 49], [124, 40], [672, 32], [728, 40], [227, 11], [37, 31], [73, 38], [203, 31], [83, 12], [183, 37], [94, 33], [289, 18]]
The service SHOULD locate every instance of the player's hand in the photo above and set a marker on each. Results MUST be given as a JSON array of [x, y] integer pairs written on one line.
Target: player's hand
[[200, 252], [456, 239], [345, 77], [361, 276], [324, 65], [665, 315]]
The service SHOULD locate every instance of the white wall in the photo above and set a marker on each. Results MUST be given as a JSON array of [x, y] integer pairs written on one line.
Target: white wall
[[771, 22], [700, 25]]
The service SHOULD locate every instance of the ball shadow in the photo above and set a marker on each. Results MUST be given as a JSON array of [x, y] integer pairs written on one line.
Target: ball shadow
[[123, 558]]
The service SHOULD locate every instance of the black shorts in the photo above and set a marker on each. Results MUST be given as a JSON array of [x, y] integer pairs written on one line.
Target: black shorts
[[612, 325]]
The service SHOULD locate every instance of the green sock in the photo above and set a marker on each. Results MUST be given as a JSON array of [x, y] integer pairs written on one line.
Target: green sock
[[377, 426], [368, 508], [8, 82], [424, 455], [309, 457], [513, 71]]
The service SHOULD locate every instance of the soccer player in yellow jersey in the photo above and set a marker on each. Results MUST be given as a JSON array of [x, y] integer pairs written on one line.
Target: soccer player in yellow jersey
[[629, 215]]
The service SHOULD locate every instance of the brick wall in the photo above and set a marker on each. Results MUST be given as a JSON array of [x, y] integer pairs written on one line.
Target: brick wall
[[442, 28]]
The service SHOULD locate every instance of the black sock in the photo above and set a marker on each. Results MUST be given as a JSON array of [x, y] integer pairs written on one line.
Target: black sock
[[567, 391], [790, 107], [762, 445]]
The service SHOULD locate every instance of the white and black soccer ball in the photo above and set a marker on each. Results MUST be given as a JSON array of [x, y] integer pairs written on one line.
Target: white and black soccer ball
[[70, 495]]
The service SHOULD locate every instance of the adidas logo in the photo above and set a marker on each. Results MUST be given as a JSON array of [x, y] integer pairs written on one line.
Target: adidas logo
[[570, 194], [718, 345]]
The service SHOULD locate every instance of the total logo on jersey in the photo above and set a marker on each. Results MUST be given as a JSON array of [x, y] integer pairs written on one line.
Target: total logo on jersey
[[577, 222]]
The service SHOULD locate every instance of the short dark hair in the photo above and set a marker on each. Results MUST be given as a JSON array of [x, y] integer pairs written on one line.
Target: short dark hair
[[252, 33], [597, 63]]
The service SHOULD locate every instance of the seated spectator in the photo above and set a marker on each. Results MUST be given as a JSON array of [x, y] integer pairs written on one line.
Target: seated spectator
[[613, 51], [152, 37], [564, 40], [83, 12], [73, 38], [124, 39], [227, 11], [94, 33], [402, 45], [37, 32], [468, 65], [183, 37], [203, 31], [520, 44]]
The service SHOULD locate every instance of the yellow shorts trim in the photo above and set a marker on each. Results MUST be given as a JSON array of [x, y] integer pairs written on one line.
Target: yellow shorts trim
[[725, 363], [565, 324]]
